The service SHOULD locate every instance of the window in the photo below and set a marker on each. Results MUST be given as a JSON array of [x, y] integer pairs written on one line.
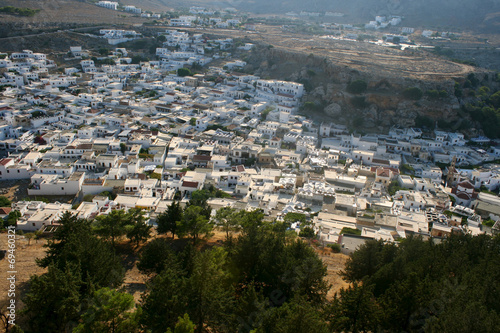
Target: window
[[62, 188]]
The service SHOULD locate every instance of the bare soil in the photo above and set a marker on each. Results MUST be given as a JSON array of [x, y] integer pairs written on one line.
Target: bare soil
[[25, 266], [14, 190], [335, 263]]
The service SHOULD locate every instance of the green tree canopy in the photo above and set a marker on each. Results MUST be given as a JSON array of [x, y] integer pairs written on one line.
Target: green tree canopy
[[137, 229], [87, 256], [53, 295], [184, 325], [4, 201], [156, 256], [167, 221], [194, 223], [184, 72], [112, 226], [110, 311], [420, 285], [227, 219]]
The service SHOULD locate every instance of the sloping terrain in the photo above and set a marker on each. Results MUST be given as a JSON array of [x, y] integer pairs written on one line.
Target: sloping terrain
[[65, 11], [438, 14]]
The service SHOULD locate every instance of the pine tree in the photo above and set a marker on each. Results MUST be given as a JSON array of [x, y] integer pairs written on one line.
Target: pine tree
[[167, 221], [53, 295], [110, 311]]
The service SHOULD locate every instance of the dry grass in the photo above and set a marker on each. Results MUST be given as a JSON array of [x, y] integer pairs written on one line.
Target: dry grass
[[335, 263], [364, 57], [25, 265]]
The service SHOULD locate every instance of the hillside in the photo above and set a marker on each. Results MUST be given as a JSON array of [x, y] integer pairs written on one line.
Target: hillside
[[64, 11], [483, 15], [475, 15]]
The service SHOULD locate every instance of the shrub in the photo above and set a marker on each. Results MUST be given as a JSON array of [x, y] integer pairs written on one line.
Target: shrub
[[335, 247], [433, 94], [183, 72], [413, 93], [88, 198], [357, 87], [307, 232], [350, 231], [489, 223]]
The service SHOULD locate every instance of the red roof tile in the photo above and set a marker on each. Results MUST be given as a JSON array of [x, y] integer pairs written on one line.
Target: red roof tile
[[4, 161], [190, 184]]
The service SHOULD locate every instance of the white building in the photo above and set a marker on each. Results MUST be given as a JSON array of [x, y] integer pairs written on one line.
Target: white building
[[108, 4]]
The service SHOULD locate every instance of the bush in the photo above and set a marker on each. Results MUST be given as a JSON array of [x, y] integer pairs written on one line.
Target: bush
[[413, 93], [307, 232], [489, 223], [184, 72], [394, 187], [88, 198], [350, 231], [19, 11], [137, 59], [357, 87], [335, 247], [4, 201], [432, 94]]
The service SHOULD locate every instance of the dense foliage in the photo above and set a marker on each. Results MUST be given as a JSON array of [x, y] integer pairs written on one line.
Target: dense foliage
[[260, 280], [422, 286], [413, 93], [19, 11]]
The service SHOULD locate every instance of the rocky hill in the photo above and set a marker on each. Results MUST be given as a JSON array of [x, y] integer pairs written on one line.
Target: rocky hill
[[386, 100], [481, 15], [58, 14]]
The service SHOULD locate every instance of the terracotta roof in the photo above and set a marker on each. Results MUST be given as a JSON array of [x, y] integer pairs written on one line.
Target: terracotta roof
[[190, 184], [383, 173], [5, 210], [379, 161], [463, 196], [4, 161], [201, 158], [465, 184]]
